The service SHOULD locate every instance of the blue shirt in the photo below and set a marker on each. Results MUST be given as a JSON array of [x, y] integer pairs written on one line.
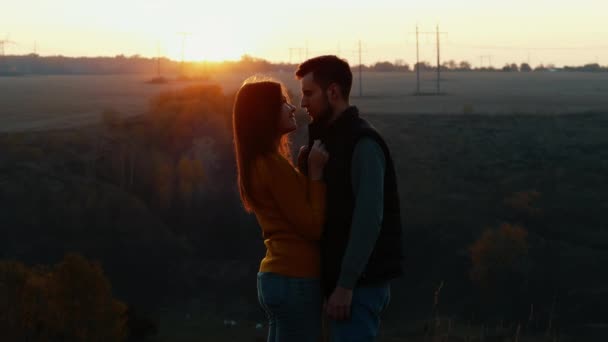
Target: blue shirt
[[367, 174]]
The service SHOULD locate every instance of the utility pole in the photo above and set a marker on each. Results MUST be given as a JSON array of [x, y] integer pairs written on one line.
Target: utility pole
[[157, 58], [3, 43], [299, 51], [184, 35], [360, 72], [438, 63], [437, 35], [482, 58], [417, 62]]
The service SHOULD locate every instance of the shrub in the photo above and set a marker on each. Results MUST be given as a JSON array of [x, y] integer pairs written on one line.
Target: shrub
[[71, 301]]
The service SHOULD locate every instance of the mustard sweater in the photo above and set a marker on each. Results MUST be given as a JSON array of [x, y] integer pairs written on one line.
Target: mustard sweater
[[290, 209]]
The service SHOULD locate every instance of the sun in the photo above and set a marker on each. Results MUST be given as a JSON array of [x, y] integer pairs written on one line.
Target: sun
[[213, 47], [209, 40], [200, 33]]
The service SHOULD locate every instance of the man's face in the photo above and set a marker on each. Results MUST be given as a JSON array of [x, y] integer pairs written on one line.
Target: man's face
[[314, 99]]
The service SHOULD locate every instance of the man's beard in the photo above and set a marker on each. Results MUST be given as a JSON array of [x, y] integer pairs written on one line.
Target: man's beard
[[326, 114], [320, 123]]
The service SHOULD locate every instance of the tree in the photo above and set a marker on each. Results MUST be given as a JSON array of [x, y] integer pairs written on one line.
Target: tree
[[190, 176], [497, 254], [164, 180], [400, 64], [500, 268], [523, 204], [71, 301], [451, 64], [510, 68], [423, 66], [465, 66], [525, 67], [383, 66]]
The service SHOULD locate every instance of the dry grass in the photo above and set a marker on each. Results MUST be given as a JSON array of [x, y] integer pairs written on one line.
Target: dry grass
[[455, 170], [43, 102]]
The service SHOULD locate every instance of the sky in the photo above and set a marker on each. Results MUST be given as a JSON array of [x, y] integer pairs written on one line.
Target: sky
[[556, 32]]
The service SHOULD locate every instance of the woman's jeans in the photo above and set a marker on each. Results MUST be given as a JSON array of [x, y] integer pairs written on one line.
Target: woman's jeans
[[292, 305]]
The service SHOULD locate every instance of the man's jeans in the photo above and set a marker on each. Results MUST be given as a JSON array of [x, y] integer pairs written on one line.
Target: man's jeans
[[292, 305], [367, 305]]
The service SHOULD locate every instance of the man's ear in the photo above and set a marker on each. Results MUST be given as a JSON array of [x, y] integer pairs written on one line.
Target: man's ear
[[333, 91]]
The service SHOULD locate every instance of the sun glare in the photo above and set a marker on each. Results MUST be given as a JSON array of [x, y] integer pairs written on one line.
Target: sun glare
[[205, 38], [213, 47]]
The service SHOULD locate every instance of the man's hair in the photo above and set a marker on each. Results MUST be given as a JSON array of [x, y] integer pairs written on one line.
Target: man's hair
[[327, 70]]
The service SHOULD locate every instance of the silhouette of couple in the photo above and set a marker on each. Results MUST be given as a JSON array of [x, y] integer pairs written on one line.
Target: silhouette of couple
[[331, 224]]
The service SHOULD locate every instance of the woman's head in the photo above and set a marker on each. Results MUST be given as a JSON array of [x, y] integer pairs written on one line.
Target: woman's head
[[261, 118]]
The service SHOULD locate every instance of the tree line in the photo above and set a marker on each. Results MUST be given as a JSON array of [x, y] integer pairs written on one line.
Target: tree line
[[136, 64]]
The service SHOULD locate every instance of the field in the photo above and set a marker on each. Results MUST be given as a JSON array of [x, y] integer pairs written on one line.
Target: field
[[526, 149], [43, 102]]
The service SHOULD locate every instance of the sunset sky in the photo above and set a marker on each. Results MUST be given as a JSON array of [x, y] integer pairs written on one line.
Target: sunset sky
[[539, 31]]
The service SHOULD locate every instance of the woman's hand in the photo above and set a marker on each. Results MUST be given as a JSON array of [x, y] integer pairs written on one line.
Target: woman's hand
[[303, 158], [317, 158]]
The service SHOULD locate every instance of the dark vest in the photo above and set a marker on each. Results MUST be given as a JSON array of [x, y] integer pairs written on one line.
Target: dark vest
[[340, 139]]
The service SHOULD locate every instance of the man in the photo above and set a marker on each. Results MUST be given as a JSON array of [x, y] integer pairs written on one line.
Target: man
[[361, 243]]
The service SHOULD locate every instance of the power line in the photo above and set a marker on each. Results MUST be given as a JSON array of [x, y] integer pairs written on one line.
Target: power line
[[506, 47]]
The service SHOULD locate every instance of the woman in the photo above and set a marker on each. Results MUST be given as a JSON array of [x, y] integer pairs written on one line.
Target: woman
[[289, 208]]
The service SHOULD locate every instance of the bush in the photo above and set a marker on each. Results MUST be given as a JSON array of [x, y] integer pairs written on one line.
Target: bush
[[498, 254], [71, 301]]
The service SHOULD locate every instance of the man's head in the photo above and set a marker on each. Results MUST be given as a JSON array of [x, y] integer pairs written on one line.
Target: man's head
[[326, 83]]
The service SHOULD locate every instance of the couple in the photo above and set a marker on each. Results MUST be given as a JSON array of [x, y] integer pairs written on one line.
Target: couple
[[331, 225]]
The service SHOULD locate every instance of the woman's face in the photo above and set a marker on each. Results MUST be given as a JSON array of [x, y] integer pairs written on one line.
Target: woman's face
[[287, 120]]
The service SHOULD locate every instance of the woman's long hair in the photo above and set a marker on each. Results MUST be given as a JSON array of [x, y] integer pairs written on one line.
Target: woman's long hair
[[255, 121]]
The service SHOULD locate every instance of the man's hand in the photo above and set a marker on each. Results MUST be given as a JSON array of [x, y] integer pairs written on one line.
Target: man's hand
[[338, 304]]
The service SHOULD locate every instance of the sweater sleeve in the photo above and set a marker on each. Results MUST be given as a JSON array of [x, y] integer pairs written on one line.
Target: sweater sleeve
[[300, 200], [367, 172]]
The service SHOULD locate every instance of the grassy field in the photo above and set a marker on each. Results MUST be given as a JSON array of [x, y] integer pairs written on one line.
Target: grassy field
[[492, 136], [43, 102], [455, 172]]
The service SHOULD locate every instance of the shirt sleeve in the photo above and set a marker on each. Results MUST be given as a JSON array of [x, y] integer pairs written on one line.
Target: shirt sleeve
[[299, 199], [367, 172]]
